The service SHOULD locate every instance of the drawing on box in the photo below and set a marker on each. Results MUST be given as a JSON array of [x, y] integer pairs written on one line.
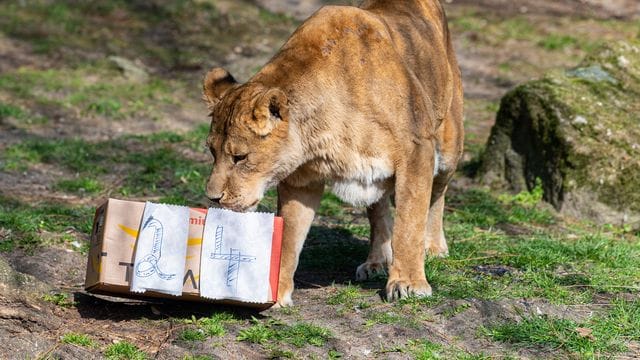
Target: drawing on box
[[149, 263], [234, 258]]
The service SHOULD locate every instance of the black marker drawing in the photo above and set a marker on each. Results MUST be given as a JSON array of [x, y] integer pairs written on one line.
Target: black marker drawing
[[234, 257], [149, 264]]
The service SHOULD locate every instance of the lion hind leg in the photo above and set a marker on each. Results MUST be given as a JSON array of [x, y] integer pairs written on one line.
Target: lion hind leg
[[381, 222], [435, 241]]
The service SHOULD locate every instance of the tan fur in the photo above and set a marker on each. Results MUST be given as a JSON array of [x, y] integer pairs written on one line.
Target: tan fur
[[366, 99]]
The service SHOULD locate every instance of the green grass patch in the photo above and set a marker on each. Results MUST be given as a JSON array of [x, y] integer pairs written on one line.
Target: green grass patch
[[258, 333], [331, 205], [60, 299], [80, 185], [197, 357], [557, 42], [28, 223], [481, 208], [8, 110], [192, 335], [526, 259], [18, 158], [389, 317], [298, 334], [154, 164], [600, 336], [78, 339], [493, 265], [74, 154], [301, 334], [94, 89], [124, 351], [212, 326], [347, 296], [427, 350]]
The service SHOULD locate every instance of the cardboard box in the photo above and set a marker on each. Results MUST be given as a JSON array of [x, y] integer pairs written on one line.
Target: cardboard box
[[111, 256]]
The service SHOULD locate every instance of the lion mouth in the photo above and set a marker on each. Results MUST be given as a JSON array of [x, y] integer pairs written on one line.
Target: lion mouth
[[240, 207]]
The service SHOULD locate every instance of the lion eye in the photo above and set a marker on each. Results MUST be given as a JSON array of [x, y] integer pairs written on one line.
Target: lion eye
[[238, 158]]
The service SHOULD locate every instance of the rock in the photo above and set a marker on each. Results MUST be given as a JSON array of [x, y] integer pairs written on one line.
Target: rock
[[299, 9], [12, 281], [131, 70], [577, 131]]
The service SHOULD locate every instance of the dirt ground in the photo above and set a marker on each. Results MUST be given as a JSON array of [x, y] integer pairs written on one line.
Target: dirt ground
[[30, 327]]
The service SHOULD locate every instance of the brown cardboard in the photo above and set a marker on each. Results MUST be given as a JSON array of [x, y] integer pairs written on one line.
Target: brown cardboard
[[111, 255]]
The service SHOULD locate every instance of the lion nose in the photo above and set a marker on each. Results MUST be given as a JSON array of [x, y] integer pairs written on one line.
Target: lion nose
[[215, 199]]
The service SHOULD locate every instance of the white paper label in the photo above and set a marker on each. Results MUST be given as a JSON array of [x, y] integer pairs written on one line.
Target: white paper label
[[236, 256], [161, 249]]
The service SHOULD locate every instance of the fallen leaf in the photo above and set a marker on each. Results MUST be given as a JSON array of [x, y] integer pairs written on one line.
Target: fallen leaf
[[585, 333]]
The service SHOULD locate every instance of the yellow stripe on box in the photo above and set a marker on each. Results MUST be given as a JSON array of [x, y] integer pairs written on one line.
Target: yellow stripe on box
[[134, 234], [131, 232]]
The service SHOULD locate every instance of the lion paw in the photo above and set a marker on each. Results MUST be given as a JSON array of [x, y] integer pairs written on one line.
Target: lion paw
[[441, 252], [398, 289], [369, 270], [283, 302]]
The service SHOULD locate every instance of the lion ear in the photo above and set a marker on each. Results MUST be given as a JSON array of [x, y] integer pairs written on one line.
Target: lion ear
[[271, 108], [216, 83]]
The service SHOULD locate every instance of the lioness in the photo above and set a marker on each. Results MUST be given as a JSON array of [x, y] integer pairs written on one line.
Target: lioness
[[366, 99]]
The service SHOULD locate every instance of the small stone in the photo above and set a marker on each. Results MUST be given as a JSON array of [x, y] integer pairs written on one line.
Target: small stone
[[580, 120], [131, 70], [593, 73], [623, 62]]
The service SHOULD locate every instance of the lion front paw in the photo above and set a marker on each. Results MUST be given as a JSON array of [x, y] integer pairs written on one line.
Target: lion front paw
[[368, 270], [284, 296], [437, 251], [399, 288]]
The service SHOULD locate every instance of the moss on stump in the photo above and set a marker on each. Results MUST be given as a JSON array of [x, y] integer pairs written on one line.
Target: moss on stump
[[579, 132]]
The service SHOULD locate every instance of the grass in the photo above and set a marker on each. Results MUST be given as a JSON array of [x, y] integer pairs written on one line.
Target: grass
[[347, 296], [124, 351], [386, 318], [212, 326], [60, 299], [426, 350], [602, 334], [80, 185], [197, 357], [331, 205], [298, 334], [67, 28], [192, 335], [8, 110], [78, 339], [423, 349], [557, 42], [155, 163], [93, 89], [30, 225]]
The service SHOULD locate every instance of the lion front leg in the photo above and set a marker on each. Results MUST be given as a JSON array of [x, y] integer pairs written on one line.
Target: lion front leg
[[414, 179], [297, 206], [381, 222]]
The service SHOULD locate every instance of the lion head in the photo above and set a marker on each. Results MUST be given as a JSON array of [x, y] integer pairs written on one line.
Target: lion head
[[248, 135]]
